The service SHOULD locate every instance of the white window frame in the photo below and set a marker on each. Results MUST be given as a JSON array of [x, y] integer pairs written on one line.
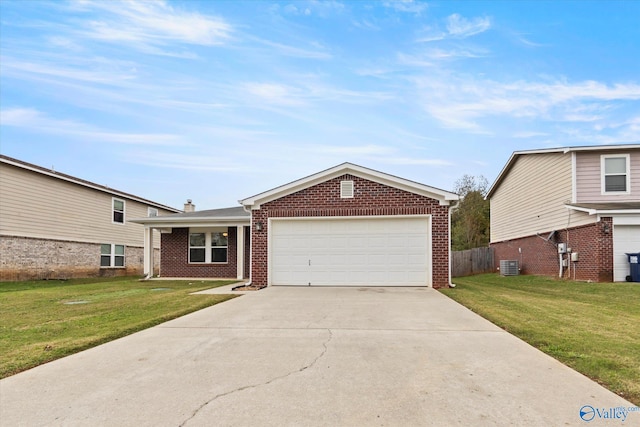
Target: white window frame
[[113, 210], [113, 256], [152, 212], [208, 247], [603, 174]]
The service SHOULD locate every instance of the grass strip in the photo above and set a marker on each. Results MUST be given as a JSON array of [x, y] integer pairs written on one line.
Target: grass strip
[[41, 321], [592, 327]]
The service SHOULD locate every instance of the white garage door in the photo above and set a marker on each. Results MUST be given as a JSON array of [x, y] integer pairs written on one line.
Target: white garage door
[[350, 252], [626, 239]]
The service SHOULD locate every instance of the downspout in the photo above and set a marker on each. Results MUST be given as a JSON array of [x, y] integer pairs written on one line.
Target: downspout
[[250, 245], [152, 253], [452, 209]]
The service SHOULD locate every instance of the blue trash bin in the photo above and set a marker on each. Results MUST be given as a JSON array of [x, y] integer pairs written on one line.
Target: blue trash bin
[[634, 267]]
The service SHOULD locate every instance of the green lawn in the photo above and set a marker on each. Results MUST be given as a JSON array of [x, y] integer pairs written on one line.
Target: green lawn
[[45, 320], [592, 327]]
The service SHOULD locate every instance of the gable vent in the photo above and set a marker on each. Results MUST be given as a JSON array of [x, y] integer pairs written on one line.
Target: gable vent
[[346, 189]]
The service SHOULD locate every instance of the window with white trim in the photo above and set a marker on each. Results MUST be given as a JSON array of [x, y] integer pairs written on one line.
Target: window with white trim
[[208, 246], [615, 174], [111, 255], [118, 211], [152, 212]]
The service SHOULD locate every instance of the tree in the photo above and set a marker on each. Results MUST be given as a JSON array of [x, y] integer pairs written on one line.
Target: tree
[[470, 222]]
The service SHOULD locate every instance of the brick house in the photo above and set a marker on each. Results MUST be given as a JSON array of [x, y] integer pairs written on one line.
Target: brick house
[[56, 226], [569, 212], [345, 226]]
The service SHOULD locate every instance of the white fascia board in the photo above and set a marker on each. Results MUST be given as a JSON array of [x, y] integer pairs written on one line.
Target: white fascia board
[[161, 222], [604, 148], [605, 212], [444, 197], [626, 220]]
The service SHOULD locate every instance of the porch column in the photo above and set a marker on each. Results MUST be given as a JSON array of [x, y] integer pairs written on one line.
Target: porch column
[[240, 255], [148, 252]]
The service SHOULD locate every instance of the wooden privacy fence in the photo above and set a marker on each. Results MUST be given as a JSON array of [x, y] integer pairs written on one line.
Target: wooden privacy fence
[[472, 261]]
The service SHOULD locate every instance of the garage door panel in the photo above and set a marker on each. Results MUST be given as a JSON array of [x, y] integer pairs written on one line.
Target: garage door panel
[[626, 239], [362, 251]]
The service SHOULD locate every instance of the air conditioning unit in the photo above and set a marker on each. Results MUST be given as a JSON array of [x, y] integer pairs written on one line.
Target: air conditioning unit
[[509, 267]]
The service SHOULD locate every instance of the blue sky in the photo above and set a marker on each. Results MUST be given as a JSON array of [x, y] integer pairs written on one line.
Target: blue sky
[[219, 100]]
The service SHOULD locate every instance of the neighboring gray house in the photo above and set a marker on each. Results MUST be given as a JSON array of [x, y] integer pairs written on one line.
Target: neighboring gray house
[[572, 212], [53, 225]]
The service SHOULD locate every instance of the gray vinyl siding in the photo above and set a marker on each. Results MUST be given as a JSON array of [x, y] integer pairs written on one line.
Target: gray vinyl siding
[[39, 206], [531, 198], [589, 175]]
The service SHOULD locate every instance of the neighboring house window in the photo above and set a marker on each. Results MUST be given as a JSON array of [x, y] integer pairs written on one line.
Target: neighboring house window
[[152, 212], [208, 247], [118, 211], [111, 255], [615, 174]]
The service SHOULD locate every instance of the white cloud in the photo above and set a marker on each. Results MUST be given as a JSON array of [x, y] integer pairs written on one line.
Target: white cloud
[[274, 93], [35, 121], [461, 27], [415, 161], [408, 6], [315, 52], [459, 102], [144, 24], [457, 27], [529, 134], [111, 72], [354, 150], [190, 162]]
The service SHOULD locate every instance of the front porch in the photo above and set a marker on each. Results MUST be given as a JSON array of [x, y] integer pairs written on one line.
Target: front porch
[[211, 244]]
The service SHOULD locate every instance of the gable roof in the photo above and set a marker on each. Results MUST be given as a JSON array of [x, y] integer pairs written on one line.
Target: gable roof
[[564, 150], [444, 197], [78, 181]]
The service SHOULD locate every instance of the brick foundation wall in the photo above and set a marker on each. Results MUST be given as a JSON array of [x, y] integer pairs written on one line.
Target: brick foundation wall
[[24, 258], [175, 257], [371, 199], [592, 242]]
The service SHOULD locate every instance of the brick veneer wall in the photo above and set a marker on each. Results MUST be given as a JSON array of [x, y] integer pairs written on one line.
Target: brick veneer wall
[[370, 199], [175, 257], [593, 243], [24, 258]]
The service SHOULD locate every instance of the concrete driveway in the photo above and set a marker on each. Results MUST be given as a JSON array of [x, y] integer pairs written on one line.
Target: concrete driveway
[[311, 357]]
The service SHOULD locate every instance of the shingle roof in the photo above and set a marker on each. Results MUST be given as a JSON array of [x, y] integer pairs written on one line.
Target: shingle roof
[[234, 212]]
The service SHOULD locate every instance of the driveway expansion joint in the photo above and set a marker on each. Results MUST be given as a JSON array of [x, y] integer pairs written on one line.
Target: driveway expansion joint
[[325, 347]]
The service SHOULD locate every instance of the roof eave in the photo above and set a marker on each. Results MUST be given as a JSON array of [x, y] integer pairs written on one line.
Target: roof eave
[[604, 212], [161, 222]]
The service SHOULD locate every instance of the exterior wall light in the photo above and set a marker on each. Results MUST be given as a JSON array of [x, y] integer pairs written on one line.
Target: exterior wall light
[[258, 226]]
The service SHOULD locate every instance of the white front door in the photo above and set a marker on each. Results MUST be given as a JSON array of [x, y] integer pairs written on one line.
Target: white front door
[[387, 251]]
